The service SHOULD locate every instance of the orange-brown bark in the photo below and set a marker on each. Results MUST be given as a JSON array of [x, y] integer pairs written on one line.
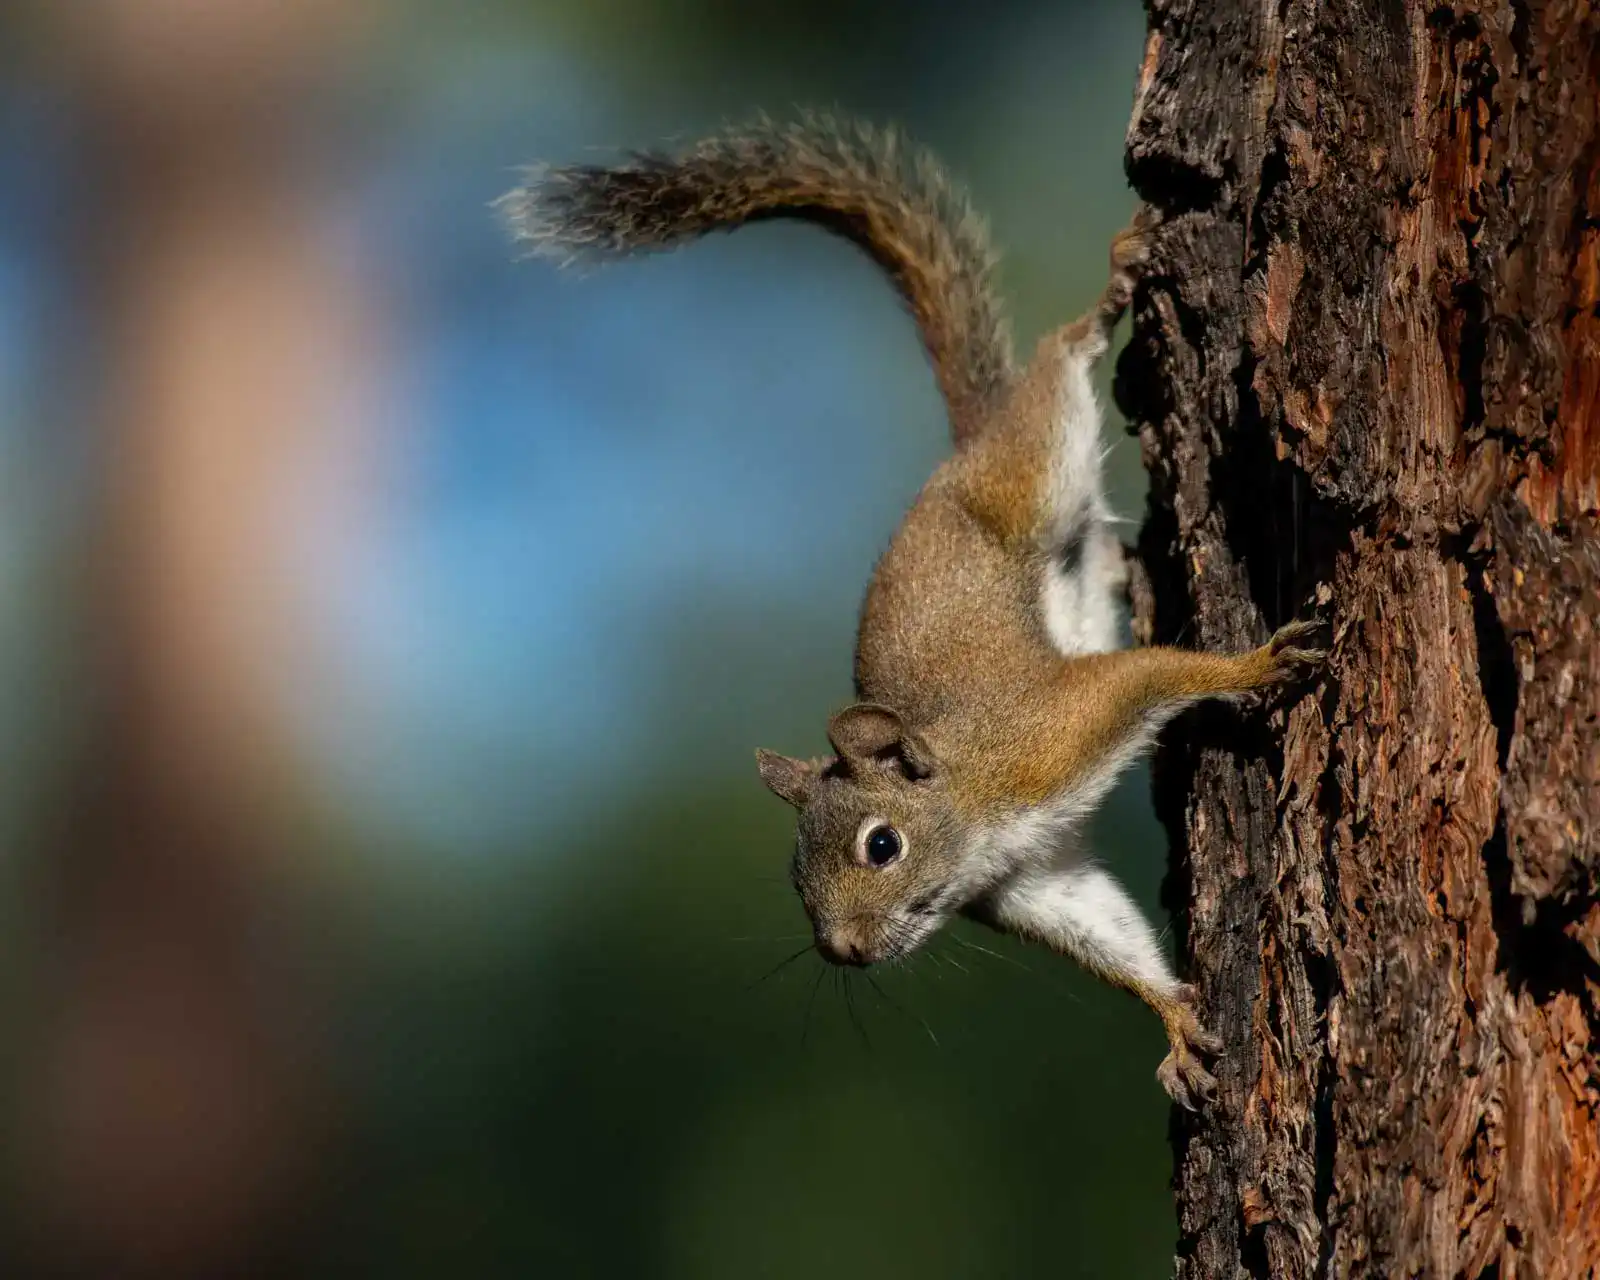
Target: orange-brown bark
[[1366, 376]]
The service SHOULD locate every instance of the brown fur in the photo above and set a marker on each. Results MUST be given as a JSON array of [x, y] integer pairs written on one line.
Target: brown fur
[[867, 185]]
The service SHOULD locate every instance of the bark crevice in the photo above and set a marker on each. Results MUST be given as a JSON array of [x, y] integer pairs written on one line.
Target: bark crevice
[[1365, 375]]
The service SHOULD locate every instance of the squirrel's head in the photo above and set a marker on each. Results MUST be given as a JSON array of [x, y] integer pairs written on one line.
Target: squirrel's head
[[877, 849]]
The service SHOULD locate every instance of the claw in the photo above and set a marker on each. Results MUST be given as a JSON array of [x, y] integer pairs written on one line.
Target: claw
[[1205, 1041], [1185, 1080], [1130, 251], [1181, 1072], [1290, 659], [1285, 636]]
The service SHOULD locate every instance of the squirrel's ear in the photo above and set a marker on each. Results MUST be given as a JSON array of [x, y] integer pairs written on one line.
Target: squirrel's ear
[[868, 731], [787, 778]]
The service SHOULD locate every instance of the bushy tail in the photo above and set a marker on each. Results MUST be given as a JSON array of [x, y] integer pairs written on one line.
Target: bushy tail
[[865, 184]]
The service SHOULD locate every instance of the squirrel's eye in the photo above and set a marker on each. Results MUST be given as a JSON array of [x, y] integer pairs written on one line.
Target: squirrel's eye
[[883, 846]]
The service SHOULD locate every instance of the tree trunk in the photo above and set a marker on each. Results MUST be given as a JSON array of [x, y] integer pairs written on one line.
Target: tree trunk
[[172, 1101], [1366, 376]]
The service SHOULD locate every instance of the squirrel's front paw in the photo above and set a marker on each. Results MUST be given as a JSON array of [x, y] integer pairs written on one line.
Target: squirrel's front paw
[[1181, 1072], [1293, 651]]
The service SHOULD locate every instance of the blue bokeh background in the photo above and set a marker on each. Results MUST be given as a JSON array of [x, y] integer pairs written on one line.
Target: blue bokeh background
[[575, 545]]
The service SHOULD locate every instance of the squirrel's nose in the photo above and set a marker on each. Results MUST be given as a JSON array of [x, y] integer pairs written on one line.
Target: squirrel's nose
[[842, 946]]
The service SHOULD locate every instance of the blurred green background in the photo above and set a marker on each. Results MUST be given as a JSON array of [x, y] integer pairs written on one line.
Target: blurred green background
[[386, 628]]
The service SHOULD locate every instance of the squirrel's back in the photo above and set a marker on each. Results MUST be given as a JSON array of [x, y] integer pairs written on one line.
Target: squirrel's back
[[862, 183]]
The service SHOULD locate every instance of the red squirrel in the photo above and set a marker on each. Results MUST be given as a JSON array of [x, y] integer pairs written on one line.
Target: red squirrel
[[995, 708]]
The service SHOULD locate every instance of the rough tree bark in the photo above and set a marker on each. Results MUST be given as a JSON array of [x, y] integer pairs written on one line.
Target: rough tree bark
[[1366, 376]]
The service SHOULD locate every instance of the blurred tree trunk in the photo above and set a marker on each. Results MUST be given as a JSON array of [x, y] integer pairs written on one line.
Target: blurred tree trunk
[[173, 1109], [1366, 377]]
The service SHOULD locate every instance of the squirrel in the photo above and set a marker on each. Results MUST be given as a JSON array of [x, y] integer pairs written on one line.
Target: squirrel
[[995, 707]]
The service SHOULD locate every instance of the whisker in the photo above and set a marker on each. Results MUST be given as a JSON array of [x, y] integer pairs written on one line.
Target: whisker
[[782, 964], [973, 946], [946, 958], [850, 1008], [895, 1004], [899, 934], [811, 1000], [781, 937]]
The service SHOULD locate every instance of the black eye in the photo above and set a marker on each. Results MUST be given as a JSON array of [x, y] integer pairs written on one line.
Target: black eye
[[883, 846]]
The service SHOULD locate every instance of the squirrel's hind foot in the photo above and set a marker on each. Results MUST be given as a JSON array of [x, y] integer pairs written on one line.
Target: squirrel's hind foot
[[1294, 651], [1130, 252]]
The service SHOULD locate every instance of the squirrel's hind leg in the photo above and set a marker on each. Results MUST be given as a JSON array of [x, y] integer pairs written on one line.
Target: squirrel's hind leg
[[1085, 572], [1036, 476]]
